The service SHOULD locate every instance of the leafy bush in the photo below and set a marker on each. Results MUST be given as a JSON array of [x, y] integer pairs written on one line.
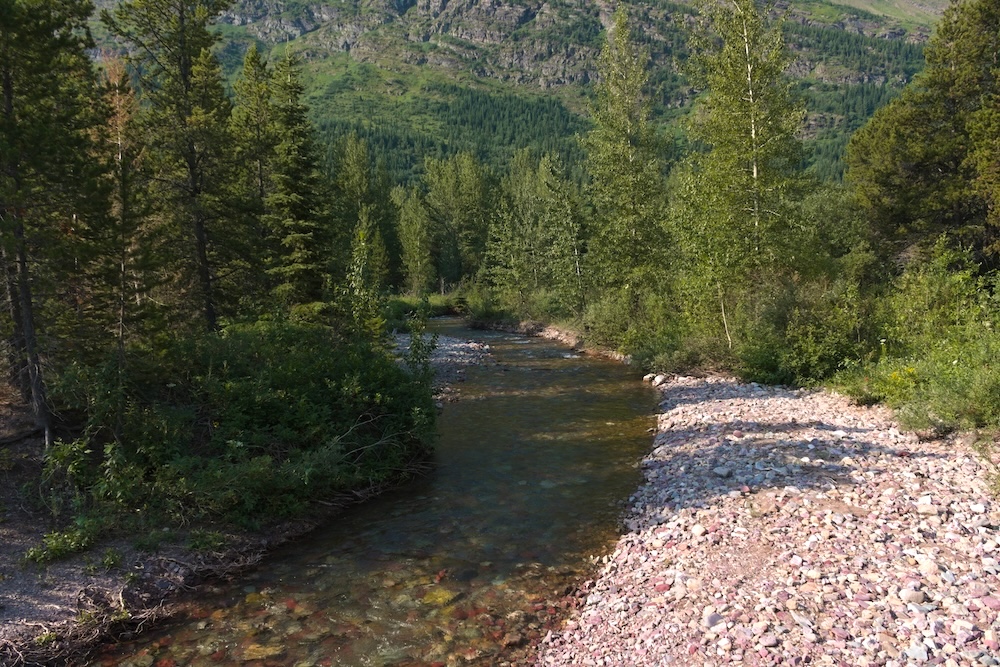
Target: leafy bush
[[939, 346], [249, 425]]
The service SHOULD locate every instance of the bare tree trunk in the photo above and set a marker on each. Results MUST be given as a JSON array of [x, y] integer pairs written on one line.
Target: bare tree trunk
[[39, 401], [725, 320], [754, 166], [17, 369]]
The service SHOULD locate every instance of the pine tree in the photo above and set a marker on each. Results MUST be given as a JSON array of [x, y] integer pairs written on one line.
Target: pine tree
[[127, 243], [627, 241], [188, 115], [294, 208], [254, 131], [47, 186]]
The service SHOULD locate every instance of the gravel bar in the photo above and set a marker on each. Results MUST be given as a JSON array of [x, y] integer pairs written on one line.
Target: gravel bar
[[786, 527]]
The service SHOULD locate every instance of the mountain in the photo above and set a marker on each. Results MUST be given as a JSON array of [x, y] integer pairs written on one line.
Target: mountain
[[431, 77]]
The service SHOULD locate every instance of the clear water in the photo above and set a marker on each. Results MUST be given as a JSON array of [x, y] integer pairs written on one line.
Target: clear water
[[466, 566]]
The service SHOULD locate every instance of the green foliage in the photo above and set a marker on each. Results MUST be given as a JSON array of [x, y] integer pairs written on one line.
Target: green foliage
[[251, 424], [416, 237], [939, 344], [59, 544], [460, 201], [923, 166], [439, 120], [534, 254], [400, 309], [294, 201], [206, 540], [627, 241], [49, 192], [111, 559]]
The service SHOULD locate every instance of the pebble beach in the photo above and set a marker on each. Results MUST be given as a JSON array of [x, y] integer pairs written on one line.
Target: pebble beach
[[777, 526]]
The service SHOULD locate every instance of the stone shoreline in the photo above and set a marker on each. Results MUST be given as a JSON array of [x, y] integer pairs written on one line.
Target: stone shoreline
[[780, 526]]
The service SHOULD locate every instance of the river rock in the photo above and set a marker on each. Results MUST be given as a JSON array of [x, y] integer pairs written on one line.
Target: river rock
[[846, 541], [909, 595], [262, 652]]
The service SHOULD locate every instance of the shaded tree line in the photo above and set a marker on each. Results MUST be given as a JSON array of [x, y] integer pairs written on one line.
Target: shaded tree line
[[191, 299]]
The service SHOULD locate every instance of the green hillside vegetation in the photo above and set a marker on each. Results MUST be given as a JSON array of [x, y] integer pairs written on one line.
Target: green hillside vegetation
[[196, 262], [387, 84]]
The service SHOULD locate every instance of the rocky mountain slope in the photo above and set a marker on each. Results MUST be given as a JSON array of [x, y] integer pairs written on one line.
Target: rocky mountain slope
[[543, 43], [432, 77]]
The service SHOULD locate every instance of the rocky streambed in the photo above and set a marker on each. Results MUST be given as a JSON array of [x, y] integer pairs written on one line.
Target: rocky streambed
[[779, 526]]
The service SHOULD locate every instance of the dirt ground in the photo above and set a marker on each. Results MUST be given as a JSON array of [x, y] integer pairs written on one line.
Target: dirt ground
[[51, 613]]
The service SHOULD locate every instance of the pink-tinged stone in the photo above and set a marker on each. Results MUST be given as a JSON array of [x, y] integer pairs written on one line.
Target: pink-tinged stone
[[991, 602]]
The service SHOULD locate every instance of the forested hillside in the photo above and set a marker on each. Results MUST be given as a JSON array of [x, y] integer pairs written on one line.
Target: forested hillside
[[409, 74]]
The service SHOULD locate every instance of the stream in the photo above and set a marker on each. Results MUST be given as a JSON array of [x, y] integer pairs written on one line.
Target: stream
[[468, 565]]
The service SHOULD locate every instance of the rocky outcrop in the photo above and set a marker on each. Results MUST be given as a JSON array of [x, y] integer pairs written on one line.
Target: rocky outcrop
[[544, 43]]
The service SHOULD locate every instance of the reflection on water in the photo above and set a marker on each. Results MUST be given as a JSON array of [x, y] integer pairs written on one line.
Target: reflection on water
[[465, 566]]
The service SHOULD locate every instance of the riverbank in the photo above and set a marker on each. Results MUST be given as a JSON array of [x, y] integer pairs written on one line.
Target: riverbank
[[779, 526], [568, 337], [54, 613]]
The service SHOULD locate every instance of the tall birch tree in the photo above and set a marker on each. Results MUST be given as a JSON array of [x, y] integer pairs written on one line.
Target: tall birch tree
[[734, 211]]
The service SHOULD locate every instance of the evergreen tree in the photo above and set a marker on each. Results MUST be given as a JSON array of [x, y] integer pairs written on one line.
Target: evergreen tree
[[127, 245], [921, 166], [294, 211], [361, 184], [254, 131], [460, 201], [47, 191], [627, 241], [187, 119]]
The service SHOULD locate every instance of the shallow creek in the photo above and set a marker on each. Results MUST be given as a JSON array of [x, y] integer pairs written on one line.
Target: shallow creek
[[468, 565]]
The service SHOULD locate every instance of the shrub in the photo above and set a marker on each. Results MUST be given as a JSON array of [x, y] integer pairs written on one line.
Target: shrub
[[248, 425]]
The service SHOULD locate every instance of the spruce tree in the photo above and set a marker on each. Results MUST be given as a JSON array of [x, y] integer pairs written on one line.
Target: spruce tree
[[47, 174], [627, 241], [187, 119], [294, 206], [254, 131]]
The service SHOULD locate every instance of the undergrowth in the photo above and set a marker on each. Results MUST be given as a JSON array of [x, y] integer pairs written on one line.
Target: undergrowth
[[247, 426]]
